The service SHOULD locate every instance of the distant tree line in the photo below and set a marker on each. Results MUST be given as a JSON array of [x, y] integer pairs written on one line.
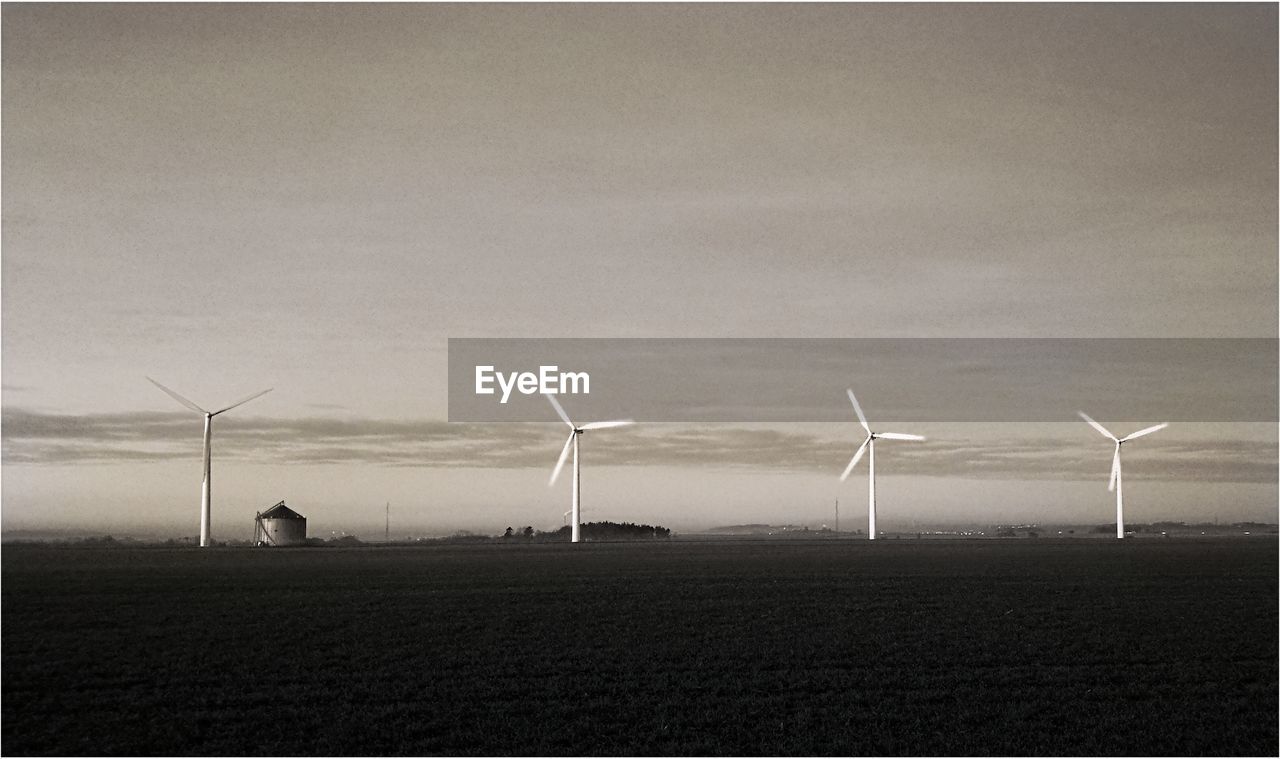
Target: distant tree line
[[590, 531]]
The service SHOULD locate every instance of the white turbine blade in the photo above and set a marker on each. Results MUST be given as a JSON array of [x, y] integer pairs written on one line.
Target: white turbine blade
[[899, 436], [243, 401], [564, 454], [1095, 425], [177, 397], [1147, 431], [856, 458], [862, 419], [606, 425], [559, 409], [1115, 470]]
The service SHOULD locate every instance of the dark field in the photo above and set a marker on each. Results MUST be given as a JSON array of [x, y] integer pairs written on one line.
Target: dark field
[[896, 647]]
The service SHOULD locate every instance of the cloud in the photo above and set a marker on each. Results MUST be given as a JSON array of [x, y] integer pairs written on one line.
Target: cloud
[[37, 438]]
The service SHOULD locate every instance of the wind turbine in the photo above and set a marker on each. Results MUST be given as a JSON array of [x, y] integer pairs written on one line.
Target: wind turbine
[[1116, 483], [205, 492], [869, 446], [572, 442]]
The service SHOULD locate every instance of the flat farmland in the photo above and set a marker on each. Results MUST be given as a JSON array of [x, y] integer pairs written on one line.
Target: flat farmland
[[805, 648]]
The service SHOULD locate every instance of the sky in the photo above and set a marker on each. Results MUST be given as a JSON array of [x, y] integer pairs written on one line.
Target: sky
[[315, 198]]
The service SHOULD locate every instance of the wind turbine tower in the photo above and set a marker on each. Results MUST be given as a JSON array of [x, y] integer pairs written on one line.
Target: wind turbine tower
[[869, 447], [572, 442], [206, 491], [1117, 478]]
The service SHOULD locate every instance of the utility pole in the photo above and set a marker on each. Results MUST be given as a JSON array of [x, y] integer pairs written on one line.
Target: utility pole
[[388, 533], [837, 516]]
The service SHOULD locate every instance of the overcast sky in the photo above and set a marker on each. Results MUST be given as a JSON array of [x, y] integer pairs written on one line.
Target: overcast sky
[[315, 198]]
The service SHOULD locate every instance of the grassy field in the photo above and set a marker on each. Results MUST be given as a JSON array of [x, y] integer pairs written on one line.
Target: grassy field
[[894, 647]]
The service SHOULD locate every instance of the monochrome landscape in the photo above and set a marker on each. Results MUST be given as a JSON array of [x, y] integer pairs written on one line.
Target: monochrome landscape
[[1037, 242]]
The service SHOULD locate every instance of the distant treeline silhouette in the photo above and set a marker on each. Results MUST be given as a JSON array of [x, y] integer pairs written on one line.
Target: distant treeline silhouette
[[591, 531]]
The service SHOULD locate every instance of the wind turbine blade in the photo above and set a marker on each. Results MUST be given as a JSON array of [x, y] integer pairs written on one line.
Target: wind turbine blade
[[244, 401], [899, 436], [1095, 425], [564, 454], [862, 419], [606, 425], [1147, 431], [856, 458], [1115, 470], [177, 397], [559, 409]]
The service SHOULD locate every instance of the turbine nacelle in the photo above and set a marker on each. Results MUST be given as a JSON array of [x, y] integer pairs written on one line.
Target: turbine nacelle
[[871, 436], [1119, 440]]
